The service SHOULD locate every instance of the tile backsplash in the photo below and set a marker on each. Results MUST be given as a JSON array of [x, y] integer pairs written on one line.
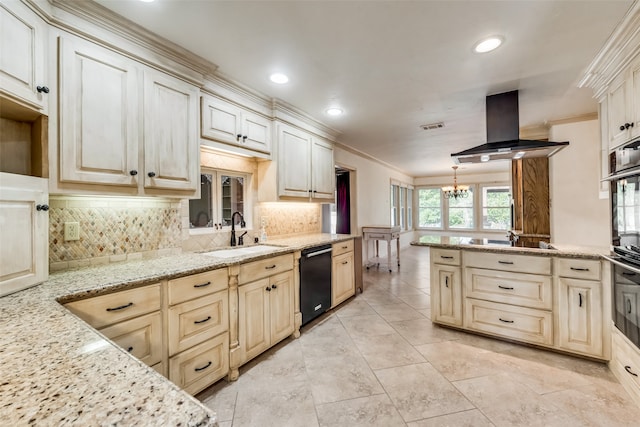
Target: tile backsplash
[[112, 229], [115, 229]]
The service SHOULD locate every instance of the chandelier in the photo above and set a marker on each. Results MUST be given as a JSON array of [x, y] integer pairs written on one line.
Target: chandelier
[[456, 191]]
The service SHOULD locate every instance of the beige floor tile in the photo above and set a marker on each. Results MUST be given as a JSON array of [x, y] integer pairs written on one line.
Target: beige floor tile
[[506, 402], [221, 398], [595, 406], [340, 378], [366, 325], [418, 301], [471, 418], [457, 361], [419, 391], [380, 297], [422, 331], [426, 312], [397, 312], [322, 345], [283, 363], [225, 424], [486, 343], [358, 307], [288, 405], [373, 411], [386, 351]]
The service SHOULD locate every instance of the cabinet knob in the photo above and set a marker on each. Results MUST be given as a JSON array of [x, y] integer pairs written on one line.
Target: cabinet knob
[[622, 127], [626, 126], [42, 89], [238, 136], [274, 287], [43, 208], [133, 172], [151, 174], [268, 289], [244, 138]]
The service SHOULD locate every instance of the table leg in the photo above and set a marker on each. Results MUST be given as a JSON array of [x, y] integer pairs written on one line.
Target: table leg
[[389, 254], [398, 250]]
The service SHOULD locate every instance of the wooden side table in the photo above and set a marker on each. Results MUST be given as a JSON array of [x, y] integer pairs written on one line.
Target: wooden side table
[[377, 233]]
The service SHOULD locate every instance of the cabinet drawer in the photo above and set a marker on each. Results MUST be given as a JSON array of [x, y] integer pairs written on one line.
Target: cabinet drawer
[[342, 247], [194, 321], [112, 308], [625, 358], [195, 369], [508, 262], [197, 285], [445, 256], [141, 336], [588, 269], [518, 323], [528, 290], [253, 271]]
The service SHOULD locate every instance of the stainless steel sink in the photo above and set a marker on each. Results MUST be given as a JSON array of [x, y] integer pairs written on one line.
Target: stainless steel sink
[[240, 251]]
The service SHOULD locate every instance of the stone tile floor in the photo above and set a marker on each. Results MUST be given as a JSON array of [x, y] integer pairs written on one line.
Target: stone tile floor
[[377, 360]]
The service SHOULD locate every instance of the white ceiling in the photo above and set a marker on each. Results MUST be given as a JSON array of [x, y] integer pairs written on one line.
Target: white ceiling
[[396, 65]]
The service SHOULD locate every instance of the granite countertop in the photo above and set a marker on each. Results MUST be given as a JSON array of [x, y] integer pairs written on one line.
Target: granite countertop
[[504, 246], [58, 370]]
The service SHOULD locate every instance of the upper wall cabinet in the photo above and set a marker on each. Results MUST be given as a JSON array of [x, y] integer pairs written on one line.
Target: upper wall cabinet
[[125, 125], [237, 127], [22, 56], [305, 165], [623, 104]]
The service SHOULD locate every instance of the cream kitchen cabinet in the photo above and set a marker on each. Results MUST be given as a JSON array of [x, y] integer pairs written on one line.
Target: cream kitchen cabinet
[[24, 222], [265, 305], [581, 306], [342, 272], [23, 36], [623, 106], [446, 287], [198, 329], [227, 123], [124, 125], [131, 319], [305, 165]]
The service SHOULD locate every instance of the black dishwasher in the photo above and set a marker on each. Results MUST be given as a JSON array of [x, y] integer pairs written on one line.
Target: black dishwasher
[[315, 282]]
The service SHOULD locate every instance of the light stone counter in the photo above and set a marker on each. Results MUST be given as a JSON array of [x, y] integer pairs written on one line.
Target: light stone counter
[[503, 246], [57, 370]]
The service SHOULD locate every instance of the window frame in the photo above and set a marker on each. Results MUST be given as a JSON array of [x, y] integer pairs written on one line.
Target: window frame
[[482, 206], [442, 207], [216, 199]]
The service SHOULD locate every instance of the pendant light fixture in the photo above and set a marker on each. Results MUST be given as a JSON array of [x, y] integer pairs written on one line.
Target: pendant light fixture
[[457, 191]]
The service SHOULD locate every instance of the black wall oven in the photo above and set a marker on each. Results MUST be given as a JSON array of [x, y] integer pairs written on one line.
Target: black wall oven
[[625, 227]]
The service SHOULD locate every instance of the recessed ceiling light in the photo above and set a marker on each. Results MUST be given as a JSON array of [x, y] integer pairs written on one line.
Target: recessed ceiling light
[[147, 1], [488, 44], [334, 111], [279, 78]]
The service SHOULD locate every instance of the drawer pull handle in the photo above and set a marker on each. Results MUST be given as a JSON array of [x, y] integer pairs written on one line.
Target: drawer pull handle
[[274, 287], [122, 307], [446, 281], [268, 289], [506, 262], [270, 268], [345, 247], [508, 288], [628, 369], [202, 321], [203, 368], [446, 257], [202, 285], [579, 299], [628, 306], [579, 269], [130, 349], [505, 321], [624, 273], [345, 262]]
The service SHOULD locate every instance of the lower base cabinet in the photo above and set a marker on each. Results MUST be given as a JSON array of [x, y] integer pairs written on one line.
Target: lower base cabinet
[[200, 366], [625, 363], [580, 322], [266, 310], [446, 294], [141, 336]]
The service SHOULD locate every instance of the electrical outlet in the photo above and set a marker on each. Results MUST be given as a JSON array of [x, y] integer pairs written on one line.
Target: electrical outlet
[[71, 231]]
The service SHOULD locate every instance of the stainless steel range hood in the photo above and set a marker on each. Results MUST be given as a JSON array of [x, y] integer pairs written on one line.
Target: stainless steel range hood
[[503, 135]]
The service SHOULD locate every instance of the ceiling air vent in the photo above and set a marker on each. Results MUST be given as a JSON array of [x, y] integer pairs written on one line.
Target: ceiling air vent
[[432, 126]]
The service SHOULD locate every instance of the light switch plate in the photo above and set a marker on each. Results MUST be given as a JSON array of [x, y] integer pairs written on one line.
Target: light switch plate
[[71, 231]]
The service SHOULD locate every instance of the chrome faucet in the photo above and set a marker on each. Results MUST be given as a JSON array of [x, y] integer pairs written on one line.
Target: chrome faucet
[[233, 226]]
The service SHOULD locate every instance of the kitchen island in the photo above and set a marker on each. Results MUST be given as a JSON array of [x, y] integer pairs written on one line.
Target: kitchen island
[[557, 298], [58, 370]]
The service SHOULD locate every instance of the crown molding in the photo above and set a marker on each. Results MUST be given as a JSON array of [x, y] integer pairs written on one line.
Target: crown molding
[[575, 119], [287, 113], [369, 157], [616, 54], [94, 22]]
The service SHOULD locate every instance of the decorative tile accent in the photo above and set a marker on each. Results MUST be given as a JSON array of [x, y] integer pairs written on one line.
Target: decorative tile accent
[[285, 218], [117, 229]]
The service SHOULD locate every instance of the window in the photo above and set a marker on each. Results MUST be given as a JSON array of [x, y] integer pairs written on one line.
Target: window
[[403, 205], [429, 208], [496, 208], [221, 194], [409, 208], [394, 205], [461, 212]]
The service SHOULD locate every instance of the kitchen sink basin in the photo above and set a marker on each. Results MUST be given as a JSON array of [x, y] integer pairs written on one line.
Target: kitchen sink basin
[[240, 251]]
